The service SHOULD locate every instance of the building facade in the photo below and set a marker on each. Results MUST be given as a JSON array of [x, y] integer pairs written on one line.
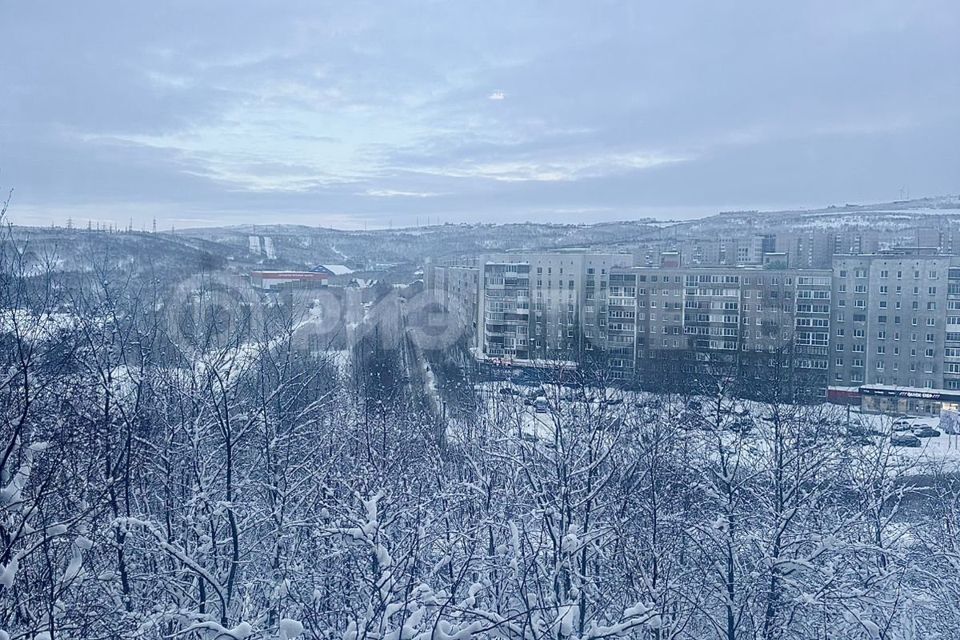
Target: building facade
[[894, 316], [889, 319], [544, 306], [671, 326]]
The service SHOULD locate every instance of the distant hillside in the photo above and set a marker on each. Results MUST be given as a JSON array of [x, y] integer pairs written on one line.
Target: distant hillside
[[298, 246], [293, 244]]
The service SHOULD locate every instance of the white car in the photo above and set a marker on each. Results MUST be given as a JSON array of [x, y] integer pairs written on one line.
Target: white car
[[902, 425]]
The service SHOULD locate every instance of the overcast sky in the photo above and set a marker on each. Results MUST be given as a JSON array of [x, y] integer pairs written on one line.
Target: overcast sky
[[353, 113]]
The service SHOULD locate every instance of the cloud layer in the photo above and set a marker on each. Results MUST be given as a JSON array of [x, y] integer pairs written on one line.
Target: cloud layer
[[355, 113]]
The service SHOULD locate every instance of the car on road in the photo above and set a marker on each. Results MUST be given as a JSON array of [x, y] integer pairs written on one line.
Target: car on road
[[925, 431], [509, 391], [904, 439]]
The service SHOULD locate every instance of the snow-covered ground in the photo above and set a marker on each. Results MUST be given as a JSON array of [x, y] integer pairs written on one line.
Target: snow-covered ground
[[515, 409], [937, 454]]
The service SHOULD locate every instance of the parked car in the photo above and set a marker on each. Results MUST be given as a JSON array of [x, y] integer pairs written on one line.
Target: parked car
[[904, 439], [509, 391], [925, 431], [902, 425], [857, 429]]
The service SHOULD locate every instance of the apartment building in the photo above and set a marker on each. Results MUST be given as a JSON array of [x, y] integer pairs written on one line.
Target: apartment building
[[896, 321], [457, 288], [665, 326], [884, 327], [807, 249], [544, 306]]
